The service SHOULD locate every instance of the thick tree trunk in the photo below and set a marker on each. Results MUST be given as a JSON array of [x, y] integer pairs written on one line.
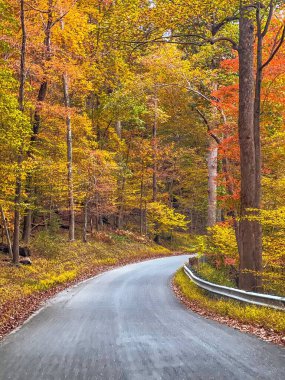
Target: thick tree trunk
[[257, 140], [248, 241], [212, 164]]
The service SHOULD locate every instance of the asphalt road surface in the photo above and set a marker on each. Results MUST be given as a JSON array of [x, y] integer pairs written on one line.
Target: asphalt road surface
[[127, 324]]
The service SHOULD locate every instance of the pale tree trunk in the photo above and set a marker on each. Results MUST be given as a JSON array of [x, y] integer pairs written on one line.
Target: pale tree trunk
[[69, 159], [69, 153], [121, 197], [250, 258], [84, 237], [6, 232], [154, 156], [154, 151], [27, 226], [212, 168], [141, 200], [18, 190], [119, 129], [212, 164]]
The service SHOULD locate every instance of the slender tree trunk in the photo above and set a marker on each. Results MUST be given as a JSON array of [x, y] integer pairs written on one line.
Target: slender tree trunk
[[69, 159], [18, 189], [141, 200], [27, 225], [154, 146], [85, 222], [212, 163], [119, 129], [91, 226], [69, 153], [248, 241], [121, 193], [6, 232]]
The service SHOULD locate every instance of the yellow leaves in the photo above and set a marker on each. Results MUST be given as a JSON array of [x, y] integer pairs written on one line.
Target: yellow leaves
[[222, 241], [162, 219]]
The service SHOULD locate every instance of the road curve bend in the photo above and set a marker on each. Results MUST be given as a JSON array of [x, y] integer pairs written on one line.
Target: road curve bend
[[126, 324]]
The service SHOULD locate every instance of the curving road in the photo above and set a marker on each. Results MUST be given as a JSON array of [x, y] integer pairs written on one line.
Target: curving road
[[126, 325]]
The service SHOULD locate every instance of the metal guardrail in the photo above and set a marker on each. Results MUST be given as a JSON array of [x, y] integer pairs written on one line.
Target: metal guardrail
[[267, 300]]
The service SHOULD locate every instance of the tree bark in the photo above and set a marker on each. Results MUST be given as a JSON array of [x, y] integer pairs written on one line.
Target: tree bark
[[248, 241], [69, 153], [69, 159], [84, 237], [6, 232], [257, 142], [119, 129], [27, 225], [18, 189], [212, 164], [154, 147], [141, 199]]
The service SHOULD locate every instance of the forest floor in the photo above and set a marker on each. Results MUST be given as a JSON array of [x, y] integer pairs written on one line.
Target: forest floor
[[267, 324], [58, 264]]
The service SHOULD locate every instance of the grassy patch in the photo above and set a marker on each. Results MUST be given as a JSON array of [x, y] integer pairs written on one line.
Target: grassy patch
[[218, 276], [261, 316], [181, 242]]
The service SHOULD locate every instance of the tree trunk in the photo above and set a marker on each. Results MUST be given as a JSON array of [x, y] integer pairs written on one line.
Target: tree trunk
[[141, 200], [154, 147], [119, 129], [18, 189], [85, 222], [257, 140], [69, 152], [6, 232], [212, 163], [69, 159], [248, 241], [27, 226]]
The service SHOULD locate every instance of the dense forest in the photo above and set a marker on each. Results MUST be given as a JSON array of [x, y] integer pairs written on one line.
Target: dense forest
[[162, 118]]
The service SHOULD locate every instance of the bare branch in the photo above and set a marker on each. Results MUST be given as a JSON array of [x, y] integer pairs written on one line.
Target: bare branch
[[232, 42], [64, 14], [272, 55], [217, 27], [215, 137], [269, 18]]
